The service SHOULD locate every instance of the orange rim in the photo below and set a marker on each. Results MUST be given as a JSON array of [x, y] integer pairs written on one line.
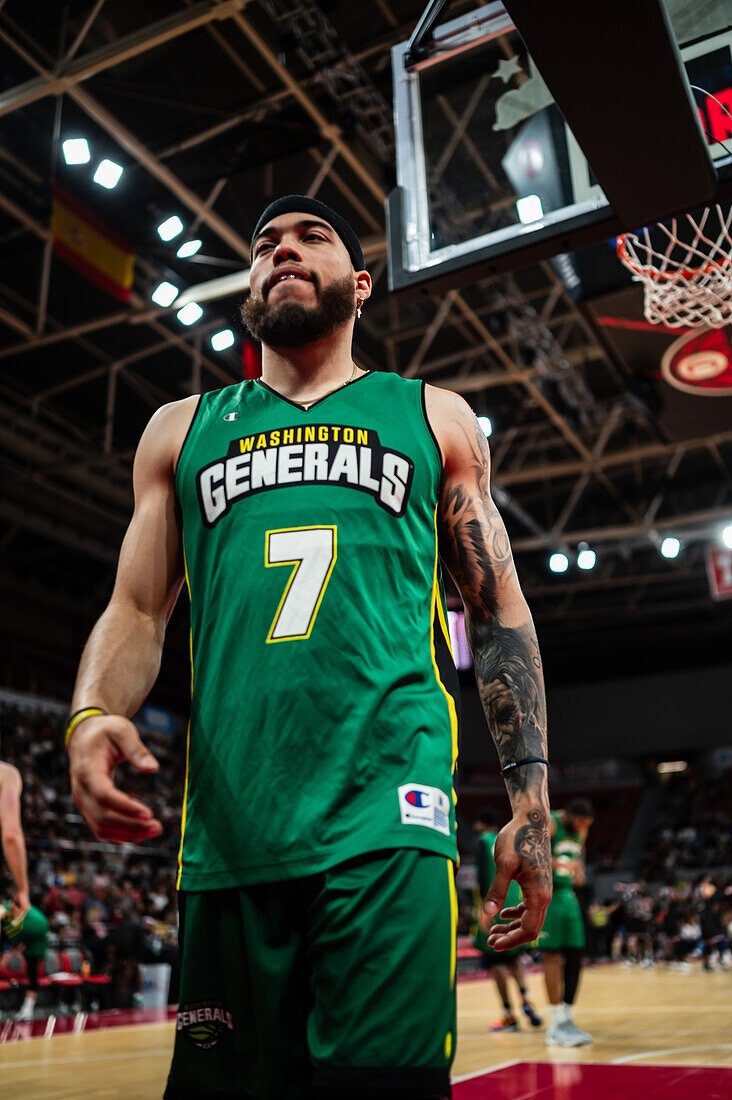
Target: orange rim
[[650, 272]]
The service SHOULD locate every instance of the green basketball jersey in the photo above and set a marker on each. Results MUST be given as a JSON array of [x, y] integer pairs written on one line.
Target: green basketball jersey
[[323, 716], [567, 845]]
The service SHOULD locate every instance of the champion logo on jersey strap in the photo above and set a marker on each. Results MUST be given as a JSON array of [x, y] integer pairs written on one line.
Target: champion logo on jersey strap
[[428, 806], [231, 416]]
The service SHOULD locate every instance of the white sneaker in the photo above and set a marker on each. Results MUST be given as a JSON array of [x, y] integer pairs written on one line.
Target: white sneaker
[[580, 1037], [24, 1013], [558, 1035]]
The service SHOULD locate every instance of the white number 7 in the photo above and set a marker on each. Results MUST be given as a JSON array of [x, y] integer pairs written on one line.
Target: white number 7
[[313, 551]]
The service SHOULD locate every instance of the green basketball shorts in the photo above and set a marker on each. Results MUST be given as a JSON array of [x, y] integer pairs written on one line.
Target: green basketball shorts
[[480, 939], [563, 924], [31, 935], [341, 984]]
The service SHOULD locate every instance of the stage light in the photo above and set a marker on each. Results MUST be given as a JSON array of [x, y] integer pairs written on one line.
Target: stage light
[[76, 151], [170, 228], [485, 423], [670, 547], [727, 536], [108, 174], [559, 563], [529, 209], [220, 341], [668, 767], [586, 558], [190, 314], [164, 294], [189, 248]]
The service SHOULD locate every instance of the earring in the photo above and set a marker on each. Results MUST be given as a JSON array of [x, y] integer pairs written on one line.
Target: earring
[[358, 307]]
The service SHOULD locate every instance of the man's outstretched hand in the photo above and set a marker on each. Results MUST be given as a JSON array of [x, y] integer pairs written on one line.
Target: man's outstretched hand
[[96, 748], [522, 852]]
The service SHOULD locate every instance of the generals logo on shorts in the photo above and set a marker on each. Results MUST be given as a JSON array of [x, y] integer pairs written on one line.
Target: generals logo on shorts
[[314, 454], [429, 806], [204, 1022]]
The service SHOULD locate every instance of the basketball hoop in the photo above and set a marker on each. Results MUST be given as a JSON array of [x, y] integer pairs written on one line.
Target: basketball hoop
[[685, 266]]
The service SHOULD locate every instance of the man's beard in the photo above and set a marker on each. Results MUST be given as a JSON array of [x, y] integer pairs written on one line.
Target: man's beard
[[290, 324]]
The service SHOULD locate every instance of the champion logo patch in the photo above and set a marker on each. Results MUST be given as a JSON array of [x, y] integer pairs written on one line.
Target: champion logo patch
[[231, 416], [427, 806]]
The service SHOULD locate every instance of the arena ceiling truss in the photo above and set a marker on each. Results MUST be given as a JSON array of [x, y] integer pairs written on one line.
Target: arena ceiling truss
[[213, 108]]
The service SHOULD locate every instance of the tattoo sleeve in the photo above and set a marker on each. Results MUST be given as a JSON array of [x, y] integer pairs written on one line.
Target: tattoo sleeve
[[506, 655]]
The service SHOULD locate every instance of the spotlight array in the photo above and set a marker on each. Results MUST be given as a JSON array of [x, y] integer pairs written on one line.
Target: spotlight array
[[190, 313], [164, 294], [108, 174]]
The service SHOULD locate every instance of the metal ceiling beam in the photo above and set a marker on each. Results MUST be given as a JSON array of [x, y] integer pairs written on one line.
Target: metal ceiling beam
[[642, 453], [596, 584], [694, 522], [127, 140], [68, 535], [66, 76], [328, 130], [123, 316], [36, 444]]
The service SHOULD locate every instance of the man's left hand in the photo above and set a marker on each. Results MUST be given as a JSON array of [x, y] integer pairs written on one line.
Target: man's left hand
[[21, 905], [522, 852]]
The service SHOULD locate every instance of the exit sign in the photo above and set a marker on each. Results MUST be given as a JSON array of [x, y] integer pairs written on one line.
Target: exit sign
[[719, 571]]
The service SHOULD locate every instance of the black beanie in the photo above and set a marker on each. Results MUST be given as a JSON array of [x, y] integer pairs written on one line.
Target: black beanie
[[301, 204]]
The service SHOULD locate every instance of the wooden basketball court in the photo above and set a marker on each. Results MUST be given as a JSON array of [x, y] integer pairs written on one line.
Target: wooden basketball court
[[638, 1017]]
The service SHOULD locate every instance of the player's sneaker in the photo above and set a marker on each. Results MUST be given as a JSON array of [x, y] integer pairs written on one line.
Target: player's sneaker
[[555, 1037], [532, 1014], [508, 1023], [24, 1013], [580, 1037], [565, 1035]]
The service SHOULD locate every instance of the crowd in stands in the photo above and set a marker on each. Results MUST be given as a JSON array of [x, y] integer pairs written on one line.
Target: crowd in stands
[[116, 903], [692, 827]]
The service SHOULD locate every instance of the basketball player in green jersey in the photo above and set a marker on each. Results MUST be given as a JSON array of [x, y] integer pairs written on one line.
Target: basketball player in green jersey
[[500, 963], [11, 836], [562, 939], [307, 512], [26, 932], [13, 845]]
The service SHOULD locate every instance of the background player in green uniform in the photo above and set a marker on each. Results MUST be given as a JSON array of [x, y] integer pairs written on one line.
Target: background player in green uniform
[[27, 932], [501, 963], [13, 844], [318, 816], [562, 938]]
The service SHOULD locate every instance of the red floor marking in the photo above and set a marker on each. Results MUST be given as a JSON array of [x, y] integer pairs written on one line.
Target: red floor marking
[[577, 1081]]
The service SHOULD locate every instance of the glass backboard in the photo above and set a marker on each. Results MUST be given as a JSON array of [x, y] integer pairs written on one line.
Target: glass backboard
[[489, 175]]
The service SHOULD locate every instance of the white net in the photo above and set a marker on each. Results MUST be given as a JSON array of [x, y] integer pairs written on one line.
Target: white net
[[685, 266]]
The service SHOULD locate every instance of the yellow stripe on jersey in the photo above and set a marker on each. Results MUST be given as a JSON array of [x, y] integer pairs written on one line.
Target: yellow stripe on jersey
[[188, 741], [439, 613], [453, 920]]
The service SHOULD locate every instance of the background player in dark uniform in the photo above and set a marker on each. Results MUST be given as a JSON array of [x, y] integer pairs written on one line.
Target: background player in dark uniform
[[562, 938], [500, 963], [318, 816]]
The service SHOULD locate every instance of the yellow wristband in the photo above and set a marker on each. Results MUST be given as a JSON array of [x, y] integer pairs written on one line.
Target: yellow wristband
[[77, 718]]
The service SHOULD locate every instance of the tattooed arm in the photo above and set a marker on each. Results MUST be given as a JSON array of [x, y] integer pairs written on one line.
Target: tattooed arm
[[474, 546]]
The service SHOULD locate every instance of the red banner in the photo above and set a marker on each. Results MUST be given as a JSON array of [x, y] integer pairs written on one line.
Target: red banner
[[251, 354], [719, 571]]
